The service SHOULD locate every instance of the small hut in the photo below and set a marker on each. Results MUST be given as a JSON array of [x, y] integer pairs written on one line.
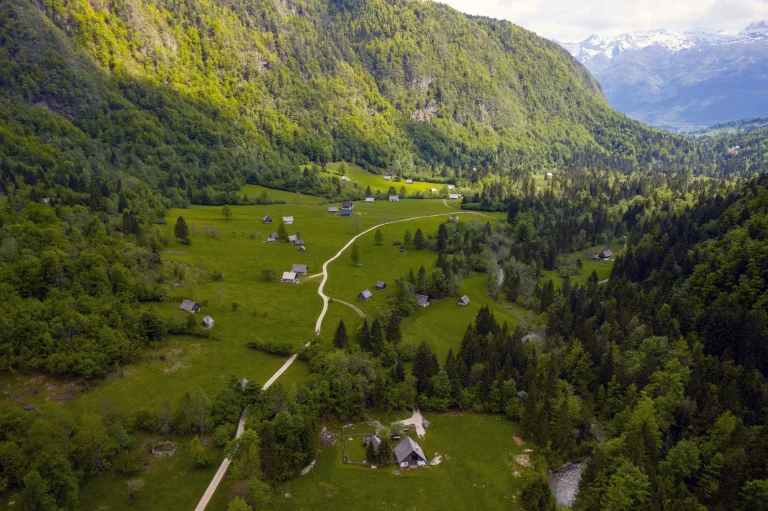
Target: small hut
[[207, 322]]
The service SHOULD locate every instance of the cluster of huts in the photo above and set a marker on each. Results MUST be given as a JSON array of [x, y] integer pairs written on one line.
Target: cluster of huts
[[293, 238], [346, 207], [194, 308], [287, 220], [292, 277], [366, 294], [395, 198], [421, 300]]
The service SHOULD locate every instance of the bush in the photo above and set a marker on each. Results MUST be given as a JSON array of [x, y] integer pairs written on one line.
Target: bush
[[145, 420], [201, 457], [407, 351], [217, 275], [269, 274], [224, 434], [282, 348], [128, 462]]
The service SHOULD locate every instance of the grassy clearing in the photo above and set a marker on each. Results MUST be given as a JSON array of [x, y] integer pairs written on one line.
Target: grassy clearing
[[264, 311], [603, 268], [255, 191], [478, 471], [169, 483], [362, 177], [442, 324]]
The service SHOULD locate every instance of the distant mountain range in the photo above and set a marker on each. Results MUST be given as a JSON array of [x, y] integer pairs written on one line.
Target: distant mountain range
[[681, 81]]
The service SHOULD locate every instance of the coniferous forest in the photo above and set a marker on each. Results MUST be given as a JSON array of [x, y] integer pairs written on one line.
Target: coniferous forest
[[113, 112]]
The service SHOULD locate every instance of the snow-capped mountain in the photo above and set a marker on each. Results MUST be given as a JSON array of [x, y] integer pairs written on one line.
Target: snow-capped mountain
[[672, 41], [679, 80]]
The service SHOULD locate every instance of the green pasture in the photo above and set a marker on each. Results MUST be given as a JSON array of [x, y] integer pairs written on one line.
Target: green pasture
[[245, 308], [443, 323], [603, 268], [363, 178], [254, 192], [478, 471], [169, 483]]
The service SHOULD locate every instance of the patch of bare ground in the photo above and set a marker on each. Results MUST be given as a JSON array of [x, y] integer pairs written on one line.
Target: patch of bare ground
[[518, 440], [523, 460]]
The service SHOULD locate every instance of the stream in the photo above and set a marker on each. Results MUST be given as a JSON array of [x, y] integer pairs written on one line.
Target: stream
[[565, 483]]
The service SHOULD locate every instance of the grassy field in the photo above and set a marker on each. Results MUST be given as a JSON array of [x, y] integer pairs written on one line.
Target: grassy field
[[255, 191], [478, 471], [603, 268], [362, 177], [169, 483], [247, 308]]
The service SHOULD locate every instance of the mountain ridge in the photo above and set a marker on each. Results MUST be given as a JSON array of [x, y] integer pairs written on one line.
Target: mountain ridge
[[681, 81], [670, 40]]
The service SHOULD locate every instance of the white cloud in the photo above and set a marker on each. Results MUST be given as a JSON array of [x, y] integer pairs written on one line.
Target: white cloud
[[574, 20]]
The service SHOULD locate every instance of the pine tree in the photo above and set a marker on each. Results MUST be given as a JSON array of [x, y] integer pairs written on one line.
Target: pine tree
[[364, 336], [379, 237], [282, 233], [537, 495], [421, 282], [399, 372], [122, 204], [394, 334], [370, 452], [442, 239], [368, 192], [340, 339], [384, 452], [377, 338], [425, 366], [355, 254], [407, 238], [180, 230], [418, 239]]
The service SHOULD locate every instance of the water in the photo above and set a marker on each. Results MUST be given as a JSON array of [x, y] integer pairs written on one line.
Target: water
[[565, 483]]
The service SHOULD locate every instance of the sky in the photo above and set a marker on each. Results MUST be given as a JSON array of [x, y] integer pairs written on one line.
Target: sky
[[575, 20]]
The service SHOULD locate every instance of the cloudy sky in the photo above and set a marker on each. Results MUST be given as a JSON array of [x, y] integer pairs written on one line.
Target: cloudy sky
[[574, 20]]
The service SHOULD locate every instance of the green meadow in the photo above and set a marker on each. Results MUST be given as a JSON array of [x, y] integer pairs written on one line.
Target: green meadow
[[588, 265], [362, 177], [247, 308], [482, 467]]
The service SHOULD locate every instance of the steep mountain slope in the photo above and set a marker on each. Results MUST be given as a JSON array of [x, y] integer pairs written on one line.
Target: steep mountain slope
[[196, 93], [673, 80]]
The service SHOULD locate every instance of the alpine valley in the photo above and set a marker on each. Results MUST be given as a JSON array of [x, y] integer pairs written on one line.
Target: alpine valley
[[368, 254]]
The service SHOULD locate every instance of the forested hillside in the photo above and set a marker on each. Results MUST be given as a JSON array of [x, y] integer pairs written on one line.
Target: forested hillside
[[190, 94]]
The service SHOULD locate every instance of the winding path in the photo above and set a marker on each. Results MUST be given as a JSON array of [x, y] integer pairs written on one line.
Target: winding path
[[324, 273], [241, 425], [359, 312]]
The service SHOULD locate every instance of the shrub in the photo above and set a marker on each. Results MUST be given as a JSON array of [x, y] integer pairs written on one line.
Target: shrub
[[201, 457], [275, 347], [224, 434]]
